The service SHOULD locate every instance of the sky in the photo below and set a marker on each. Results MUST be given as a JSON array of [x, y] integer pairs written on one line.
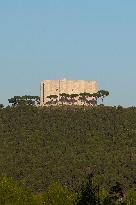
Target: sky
[[72, 39]]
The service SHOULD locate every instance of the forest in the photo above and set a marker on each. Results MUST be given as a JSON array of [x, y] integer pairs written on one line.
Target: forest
[[45, 146]]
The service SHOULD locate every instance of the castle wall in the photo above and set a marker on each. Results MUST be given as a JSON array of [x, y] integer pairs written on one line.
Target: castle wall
[[56, 87]]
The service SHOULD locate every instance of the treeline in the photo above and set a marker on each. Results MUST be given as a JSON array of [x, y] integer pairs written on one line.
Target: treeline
[[91, 193], [63, 98], [84, 98], [25, 100]]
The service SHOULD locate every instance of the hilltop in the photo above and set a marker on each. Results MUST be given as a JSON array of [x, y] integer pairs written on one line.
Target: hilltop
[[43, 145]]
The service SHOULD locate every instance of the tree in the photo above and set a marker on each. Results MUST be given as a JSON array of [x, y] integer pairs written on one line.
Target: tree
[[73, 98], [89, 194], [13, 194], [88, 98], [24, 100], [64, 98], [92, 102], [53, 99], [115, 195], [130, 197], [102, 94], [58, 195], [91, 99], [1, 106], [83, 97], [13, 101]]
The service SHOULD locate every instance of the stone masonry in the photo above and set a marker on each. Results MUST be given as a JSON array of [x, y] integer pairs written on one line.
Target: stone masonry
[[56, 87]]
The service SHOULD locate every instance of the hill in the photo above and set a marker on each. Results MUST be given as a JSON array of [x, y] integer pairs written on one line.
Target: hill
[[43, 145]]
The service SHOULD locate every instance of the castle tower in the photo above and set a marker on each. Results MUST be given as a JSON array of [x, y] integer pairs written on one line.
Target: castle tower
[[56, 87]]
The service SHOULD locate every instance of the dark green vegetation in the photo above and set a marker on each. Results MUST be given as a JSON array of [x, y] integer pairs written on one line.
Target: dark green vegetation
[[89, 99], [24, 100], [44, 145], [13, 193]]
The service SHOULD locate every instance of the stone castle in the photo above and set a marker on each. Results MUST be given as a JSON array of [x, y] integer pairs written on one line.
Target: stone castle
[[56, 87]]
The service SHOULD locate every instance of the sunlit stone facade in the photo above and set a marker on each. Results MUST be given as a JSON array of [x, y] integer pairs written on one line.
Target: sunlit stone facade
[[56, 87]]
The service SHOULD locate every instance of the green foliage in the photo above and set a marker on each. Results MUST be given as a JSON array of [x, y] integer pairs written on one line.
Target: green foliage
[[103, 194], [12, 194], [64, 98], [102, 94], [52, 96], [84, 98], [43, 145], [16, 193], [89, 193], [130, 198], [58, 195], [24, 100], [53, 99], [73, 98], [1, 106]]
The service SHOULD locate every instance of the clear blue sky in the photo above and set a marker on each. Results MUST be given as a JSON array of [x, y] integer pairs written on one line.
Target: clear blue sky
[[75, 39]]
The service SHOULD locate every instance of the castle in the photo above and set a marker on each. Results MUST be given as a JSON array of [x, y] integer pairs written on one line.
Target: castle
[[57, 87]]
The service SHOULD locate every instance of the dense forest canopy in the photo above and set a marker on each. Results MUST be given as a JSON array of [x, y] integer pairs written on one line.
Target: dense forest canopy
[[42, 145]]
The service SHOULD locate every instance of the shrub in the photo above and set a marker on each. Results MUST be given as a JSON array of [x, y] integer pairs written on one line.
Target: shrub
[[130, 198], [12, 194], [58, 195]]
